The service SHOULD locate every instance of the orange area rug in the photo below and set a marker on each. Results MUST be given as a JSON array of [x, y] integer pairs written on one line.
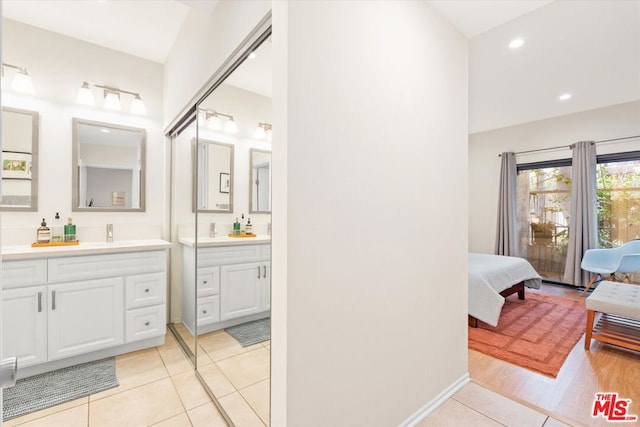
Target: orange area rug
[[537, 333]]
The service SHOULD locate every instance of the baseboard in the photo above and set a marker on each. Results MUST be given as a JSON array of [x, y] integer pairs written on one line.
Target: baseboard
[[431, 406]]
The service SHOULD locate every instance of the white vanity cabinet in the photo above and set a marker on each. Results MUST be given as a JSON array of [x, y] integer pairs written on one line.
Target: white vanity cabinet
[[231, 285], [24, 324], [80, 308]]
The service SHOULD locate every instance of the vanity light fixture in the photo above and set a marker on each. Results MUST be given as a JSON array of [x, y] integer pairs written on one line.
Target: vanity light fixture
[[111, 98], [213, 119], [263, 130], [85, 96], [21, 81], [516, 43]]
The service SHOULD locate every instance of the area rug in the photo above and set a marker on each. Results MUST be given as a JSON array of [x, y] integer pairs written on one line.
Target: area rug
[[251, 332], [56, 387], [537, 333]]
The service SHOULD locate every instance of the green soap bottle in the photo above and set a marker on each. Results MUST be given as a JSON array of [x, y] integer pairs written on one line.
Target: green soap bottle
[[69, 231], [236, 227]]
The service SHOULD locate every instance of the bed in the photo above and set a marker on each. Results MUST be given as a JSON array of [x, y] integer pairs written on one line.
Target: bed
[[491, 279]]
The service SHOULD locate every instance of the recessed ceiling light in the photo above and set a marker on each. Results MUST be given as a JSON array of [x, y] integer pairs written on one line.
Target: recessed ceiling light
[[516, 43], [564, 96]]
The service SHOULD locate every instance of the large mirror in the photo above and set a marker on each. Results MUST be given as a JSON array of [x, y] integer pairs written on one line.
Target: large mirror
[[220, 280], [260, 181], [215, 176], [108, 167], [19, 160]]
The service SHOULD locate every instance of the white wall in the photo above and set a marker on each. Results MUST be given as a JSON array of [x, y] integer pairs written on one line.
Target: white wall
[[58, 65], [370, 105], [203, 44], [484, 164]]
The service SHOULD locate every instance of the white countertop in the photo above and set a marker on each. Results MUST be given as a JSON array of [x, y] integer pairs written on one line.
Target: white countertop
[[225, 241], [20, 252]]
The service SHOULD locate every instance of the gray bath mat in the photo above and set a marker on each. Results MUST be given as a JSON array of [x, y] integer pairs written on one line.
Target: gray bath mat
[[59, 386], [251, 332]]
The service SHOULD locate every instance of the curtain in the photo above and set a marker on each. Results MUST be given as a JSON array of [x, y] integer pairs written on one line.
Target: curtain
[[506, 237], [583, 223]]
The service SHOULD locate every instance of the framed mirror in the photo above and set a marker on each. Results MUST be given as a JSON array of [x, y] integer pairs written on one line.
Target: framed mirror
[[214, 190], [19, 160], [108, 167], [260, 181]]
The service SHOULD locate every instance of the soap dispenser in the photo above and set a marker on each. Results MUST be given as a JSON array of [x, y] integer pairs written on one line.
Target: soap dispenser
[[243, 225], [44, 233], [56, 229], [69, 231], [249, 228]]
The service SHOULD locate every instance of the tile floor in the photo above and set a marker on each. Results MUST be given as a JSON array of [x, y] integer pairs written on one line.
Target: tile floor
[[476, 406], [158, 388]]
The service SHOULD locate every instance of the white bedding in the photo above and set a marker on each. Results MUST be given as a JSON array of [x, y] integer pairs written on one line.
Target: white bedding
[[491, 274]]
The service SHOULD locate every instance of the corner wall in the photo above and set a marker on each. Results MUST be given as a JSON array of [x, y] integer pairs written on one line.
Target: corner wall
[[370, 130], [484, 164]]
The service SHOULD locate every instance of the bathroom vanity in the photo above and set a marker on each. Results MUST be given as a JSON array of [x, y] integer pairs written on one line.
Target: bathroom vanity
[[230, 284], [67, 305]]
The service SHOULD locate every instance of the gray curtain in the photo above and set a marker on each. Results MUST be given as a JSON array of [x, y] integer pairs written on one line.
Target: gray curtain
[[583, 223], [506, 238]]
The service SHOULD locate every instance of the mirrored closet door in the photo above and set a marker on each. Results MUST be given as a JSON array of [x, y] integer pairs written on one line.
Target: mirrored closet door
[[221, 258]]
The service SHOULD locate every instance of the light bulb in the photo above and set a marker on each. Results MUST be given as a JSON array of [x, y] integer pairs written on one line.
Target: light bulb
[[85, 96], [231, 126], [253, 55], [260, 133], [112, 100], [22, 82], [214, 122], [137, 106]]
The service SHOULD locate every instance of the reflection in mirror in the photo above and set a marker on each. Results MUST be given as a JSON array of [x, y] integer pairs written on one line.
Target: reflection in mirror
[[215, 176], [230, 287], [19, 160], [108, 167], [183, 220], [260, 181]]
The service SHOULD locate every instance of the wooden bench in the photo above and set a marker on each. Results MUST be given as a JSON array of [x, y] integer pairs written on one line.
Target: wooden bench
[[618, 306]]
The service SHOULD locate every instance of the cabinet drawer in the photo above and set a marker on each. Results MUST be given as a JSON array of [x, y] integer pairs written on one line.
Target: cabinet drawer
[[145, 323], [208, 281], [208, 310], [144, 290], [99, 266], [16, 274], [230, 255]]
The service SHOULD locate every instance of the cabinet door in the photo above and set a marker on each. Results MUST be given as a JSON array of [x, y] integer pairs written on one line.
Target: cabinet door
[[266, 287], [85, 316], [240, 290], [24, 325]]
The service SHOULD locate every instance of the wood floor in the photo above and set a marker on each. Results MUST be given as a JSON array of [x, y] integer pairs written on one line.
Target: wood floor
[[569, 397]]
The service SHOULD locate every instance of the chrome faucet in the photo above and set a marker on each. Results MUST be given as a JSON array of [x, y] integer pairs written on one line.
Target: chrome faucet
[[212, 230], [109, 232]]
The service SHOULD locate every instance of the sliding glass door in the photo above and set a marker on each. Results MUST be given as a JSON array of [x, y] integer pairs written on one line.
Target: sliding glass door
[[544, 209], [544, 196]]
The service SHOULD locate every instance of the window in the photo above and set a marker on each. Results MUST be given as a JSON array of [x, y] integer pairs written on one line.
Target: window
[[544, 200], [544, 195]]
